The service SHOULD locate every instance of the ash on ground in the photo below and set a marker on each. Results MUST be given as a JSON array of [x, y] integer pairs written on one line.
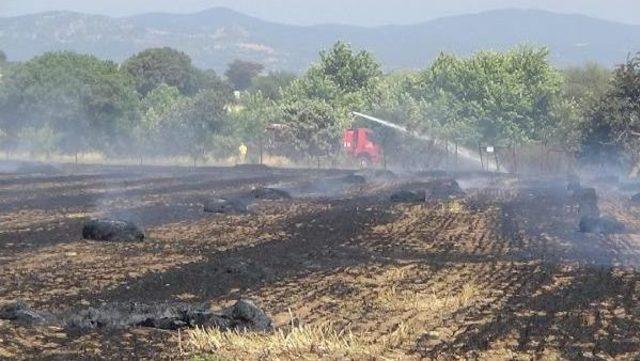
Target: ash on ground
[[243, 315]]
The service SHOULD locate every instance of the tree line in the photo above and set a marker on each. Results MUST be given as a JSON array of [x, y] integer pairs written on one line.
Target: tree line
[[156, 103]]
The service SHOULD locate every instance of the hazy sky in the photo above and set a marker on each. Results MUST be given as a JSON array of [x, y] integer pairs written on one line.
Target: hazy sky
[[361, 12]]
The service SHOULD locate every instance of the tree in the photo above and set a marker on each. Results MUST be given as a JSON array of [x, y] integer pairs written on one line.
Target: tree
[[586, 84], [495, 98], [318, 106], [209, 80], [582, 87], [614, 122], [250, 123], [311, 128], [351, 72], [241, 73], [153, 67], [3, 57], [272, 85], [190, 127], [154, 108], [85, 100]]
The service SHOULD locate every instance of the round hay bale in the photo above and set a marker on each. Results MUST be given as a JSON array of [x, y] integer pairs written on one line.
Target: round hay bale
[[444, 189], [21, 313], [408, 196], [246, 315], [110, 230], [587, 201], [252, 167], [354, 179], [601, 225], [224, 206], [434, 173], [272, 194]]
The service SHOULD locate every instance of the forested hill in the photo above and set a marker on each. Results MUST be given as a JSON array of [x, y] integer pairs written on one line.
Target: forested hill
[[216, 36]]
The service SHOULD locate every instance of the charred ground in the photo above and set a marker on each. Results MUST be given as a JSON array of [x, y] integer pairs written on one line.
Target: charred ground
[[499, 272]]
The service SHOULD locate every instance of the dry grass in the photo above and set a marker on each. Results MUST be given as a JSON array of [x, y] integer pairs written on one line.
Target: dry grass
[[413, 311], [294, 343]]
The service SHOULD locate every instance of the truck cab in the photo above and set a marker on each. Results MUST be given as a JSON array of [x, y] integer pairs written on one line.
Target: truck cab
[[360, 145]]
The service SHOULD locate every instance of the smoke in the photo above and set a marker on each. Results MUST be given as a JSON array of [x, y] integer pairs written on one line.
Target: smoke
[[462, 152]]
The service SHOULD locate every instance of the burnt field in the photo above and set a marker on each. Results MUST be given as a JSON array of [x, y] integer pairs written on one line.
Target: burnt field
[[344, 270]]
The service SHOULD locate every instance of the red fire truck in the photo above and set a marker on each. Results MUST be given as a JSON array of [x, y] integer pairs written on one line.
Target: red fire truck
[[359, 144]]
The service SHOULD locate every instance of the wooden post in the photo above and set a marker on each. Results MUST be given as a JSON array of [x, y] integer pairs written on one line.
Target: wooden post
[[481, 160], [515, 159], [261, 151], [456, 157]]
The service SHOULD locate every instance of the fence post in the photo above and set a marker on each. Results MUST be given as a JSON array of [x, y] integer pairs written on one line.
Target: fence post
[[456, 157], [515, 158]]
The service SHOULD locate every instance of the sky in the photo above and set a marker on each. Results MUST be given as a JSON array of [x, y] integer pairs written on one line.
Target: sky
[[355, 12]]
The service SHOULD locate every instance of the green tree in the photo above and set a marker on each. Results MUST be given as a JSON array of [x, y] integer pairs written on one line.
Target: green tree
[[191, 127], [153, 67], [84, 99], [241, 73], [209, 80], [614, 122], [311, 129], [586, 84], [351, 72], [322, 100], [272, 85], [582, 88], [495, 98], [3, 57], [251, 121], [154, 108]]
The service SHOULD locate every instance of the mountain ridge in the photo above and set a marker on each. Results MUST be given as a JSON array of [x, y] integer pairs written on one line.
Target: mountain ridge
[[216, 36]]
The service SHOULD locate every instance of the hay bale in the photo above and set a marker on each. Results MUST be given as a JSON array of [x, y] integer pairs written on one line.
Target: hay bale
[[165, 316], [573, 185], [272, 194], [607, 179], [110, 230], [253, 167], [601, 225], [37, 168], [384, 174], [378, 174], [629, 186], [587, 201], [21, 313], [443, 189], [434, 173], [354, 179], [408, 196], [245, 315], [225, 206]]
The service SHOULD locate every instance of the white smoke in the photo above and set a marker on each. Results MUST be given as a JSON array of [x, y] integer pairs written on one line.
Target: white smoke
[[461, 151]]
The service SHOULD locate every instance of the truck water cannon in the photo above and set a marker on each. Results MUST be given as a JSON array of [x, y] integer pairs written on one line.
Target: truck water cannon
[[462, 152]]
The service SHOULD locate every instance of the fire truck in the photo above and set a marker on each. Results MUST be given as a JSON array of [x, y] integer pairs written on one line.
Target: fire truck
[[359, 144]]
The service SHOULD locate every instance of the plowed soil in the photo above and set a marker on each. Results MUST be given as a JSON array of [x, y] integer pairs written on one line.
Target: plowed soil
[[500, 274]]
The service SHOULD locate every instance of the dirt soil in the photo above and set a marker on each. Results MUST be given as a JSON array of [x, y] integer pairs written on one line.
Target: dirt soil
[[499, 274]]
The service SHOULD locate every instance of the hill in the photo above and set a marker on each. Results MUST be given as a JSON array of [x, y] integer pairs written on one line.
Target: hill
[[215, 37]]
